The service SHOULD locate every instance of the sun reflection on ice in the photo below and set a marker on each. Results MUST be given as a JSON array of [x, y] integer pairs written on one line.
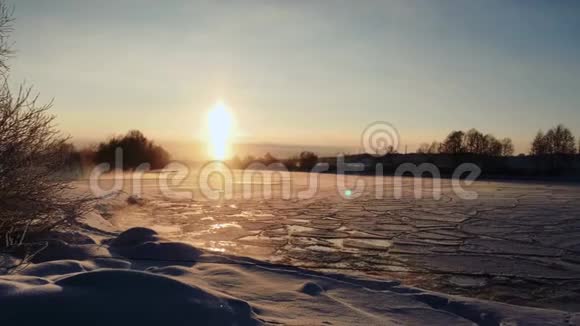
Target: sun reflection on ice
[[225, 225]]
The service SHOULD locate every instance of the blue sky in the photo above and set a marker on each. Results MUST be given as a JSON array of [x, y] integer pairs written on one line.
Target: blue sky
[[303, 72]]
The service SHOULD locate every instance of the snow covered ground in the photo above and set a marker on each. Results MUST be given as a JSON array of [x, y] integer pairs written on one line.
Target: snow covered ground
[[325, 260], [518, 243], [138, 278]]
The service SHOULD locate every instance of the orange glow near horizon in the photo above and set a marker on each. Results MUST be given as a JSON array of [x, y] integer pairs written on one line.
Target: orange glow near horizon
[[220, 125]]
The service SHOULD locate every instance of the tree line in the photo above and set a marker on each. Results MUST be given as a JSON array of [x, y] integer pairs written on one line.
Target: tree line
[[304, 161], [136, 150], [470, 142], [558, 140]]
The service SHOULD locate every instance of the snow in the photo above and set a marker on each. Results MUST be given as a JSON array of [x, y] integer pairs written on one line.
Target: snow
[[139, 278], [320, 261], [520, 239], [113, 297]]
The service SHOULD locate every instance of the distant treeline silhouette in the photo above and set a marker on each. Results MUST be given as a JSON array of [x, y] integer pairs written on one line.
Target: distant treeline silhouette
[[558, 140], [470, 142], [305, 161], [552, 154], [127, 152]]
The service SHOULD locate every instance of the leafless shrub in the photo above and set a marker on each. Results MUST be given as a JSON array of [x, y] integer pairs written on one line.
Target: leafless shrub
[[32, 152], [5, 30], [33, 199], [16, 254]]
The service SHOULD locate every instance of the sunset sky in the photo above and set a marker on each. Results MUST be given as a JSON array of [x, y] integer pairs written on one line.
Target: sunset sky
[[303, 72]]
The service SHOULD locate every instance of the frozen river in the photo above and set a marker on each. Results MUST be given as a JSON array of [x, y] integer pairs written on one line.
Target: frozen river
[[518, 242]]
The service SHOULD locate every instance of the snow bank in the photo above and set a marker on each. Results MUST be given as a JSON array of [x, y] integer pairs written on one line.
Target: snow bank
[[138, 278], [113, 297]]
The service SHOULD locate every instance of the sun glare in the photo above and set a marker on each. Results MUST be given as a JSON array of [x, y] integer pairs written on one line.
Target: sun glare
[[220, 125]]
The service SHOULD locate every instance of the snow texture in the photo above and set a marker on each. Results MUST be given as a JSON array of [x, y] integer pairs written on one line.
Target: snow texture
[[139, 278]]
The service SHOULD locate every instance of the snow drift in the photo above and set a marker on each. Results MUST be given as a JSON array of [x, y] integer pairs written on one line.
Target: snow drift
[[138, 278]]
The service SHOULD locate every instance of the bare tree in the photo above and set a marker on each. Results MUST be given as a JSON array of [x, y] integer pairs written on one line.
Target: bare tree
[[32, 154], [562, 141], [5, 30], [558, 140], [423, 149], [474, 142], [539, 146], [507, 147], [491, 146], [454, 143], [433, 148]]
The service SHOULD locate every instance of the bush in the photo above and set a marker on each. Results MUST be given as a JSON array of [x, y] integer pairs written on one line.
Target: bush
[[135, 150], [33, 198]]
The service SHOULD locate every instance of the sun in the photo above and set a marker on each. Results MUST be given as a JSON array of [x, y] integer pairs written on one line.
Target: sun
[[220, 126]]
